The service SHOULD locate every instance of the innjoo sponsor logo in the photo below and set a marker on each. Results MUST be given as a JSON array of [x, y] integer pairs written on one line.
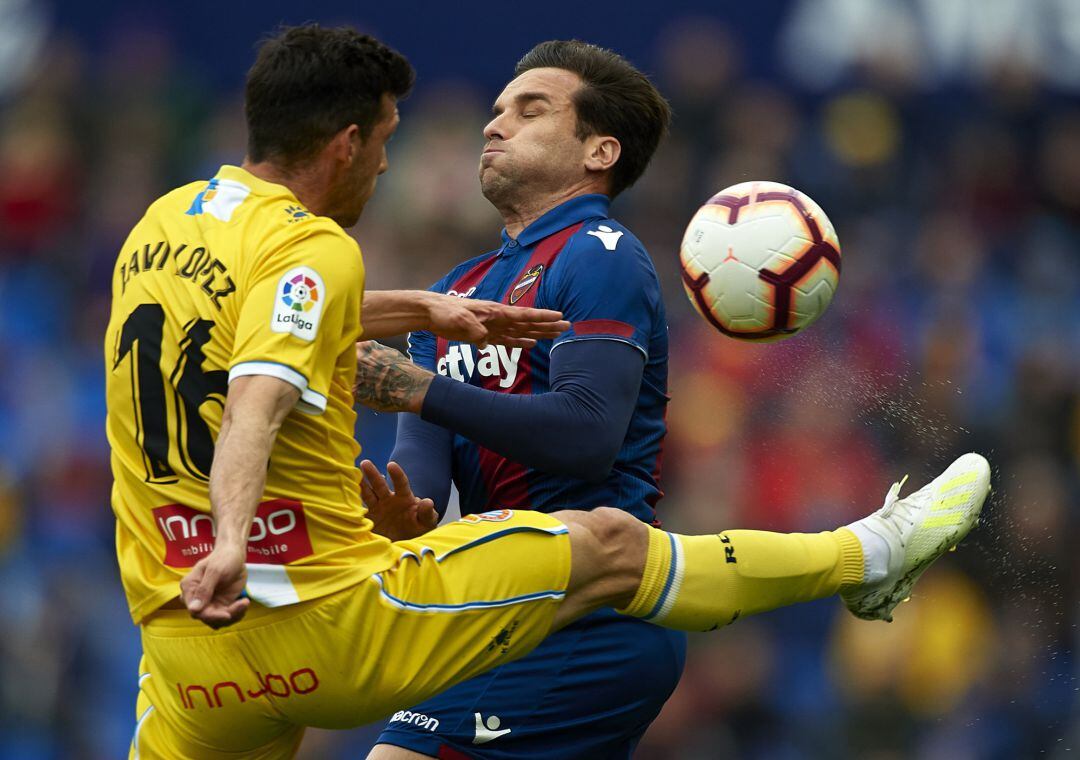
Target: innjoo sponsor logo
[[212, 696], [279, 533]]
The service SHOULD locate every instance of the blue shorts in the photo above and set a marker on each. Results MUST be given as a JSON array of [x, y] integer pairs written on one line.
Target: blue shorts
[[588, 691]]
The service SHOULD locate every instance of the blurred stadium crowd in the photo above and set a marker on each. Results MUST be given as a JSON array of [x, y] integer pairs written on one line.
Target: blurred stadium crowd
[[956, 327]]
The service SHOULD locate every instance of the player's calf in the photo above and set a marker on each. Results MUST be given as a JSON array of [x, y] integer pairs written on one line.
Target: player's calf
[[697, 583]]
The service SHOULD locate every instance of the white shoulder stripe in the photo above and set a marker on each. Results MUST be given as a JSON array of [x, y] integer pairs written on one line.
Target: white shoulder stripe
[[311, 402]]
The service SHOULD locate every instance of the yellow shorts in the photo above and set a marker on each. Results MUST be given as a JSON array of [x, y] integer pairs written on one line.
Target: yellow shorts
[[466, 597]]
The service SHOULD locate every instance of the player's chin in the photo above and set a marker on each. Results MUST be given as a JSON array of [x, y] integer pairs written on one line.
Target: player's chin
[[493, 183], [351, 217]]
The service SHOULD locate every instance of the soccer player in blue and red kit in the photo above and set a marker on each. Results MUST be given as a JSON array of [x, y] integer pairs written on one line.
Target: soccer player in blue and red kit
[[577, 422]]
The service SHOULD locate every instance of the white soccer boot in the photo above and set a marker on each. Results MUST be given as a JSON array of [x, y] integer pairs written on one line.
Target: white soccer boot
[[906, 535]]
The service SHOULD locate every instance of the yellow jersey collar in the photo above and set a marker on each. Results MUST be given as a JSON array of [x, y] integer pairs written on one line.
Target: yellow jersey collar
[[258, 186]]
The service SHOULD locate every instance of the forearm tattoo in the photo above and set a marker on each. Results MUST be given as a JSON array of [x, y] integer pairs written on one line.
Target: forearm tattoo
[[386, 380]]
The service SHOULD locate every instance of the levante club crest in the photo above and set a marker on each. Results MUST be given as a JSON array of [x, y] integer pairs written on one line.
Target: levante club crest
[[525, 283]]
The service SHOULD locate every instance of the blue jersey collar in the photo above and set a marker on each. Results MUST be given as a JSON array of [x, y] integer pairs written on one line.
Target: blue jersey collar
[[577, 209]]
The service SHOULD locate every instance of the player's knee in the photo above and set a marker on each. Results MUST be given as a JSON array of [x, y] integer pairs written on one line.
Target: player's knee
[[615, 529], [608, 548]]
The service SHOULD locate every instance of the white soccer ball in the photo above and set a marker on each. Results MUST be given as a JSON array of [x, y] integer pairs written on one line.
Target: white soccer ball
[[760, 261]]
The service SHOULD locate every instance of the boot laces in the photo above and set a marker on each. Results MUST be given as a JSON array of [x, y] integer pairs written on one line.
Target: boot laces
[[902, 508]]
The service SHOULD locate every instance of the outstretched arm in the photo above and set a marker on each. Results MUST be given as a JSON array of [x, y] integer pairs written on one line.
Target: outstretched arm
[[395, 312], [594, 387]]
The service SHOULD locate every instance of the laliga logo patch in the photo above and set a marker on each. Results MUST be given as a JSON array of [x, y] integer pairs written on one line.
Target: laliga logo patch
[[299, 303], [301, 293], [525, 283], [495, 515]]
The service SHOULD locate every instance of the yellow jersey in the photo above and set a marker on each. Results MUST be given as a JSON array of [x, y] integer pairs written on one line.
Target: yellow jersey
[[220, 279]]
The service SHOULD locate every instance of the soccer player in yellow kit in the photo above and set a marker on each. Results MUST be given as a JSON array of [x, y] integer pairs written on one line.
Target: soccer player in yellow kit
[[231, 358]]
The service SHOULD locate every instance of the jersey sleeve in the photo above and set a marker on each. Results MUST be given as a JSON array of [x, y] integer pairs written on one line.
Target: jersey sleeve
[[422, 349], [606, 293], [300, 311]]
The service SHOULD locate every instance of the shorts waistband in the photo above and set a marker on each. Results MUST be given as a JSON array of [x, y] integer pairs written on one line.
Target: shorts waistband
[[175, 622]]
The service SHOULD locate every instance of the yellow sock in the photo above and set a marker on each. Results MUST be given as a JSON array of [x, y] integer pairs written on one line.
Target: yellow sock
[[699, 583]]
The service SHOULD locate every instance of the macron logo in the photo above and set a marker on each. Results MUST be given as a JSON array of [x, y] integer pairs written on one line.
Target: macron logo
[[488, 730], [608, 236], [417, 719]]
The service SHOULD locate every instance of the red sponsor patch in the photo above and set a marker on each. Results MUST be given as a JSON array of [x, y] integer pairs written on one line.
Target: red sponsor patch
[[495, 515], [603, 327], [526, 282], [279, 533]]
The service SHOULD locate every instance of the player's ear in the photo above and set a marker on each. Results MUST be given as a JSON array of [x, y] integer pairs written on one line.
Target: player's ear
[[345, 145], [601, 152]]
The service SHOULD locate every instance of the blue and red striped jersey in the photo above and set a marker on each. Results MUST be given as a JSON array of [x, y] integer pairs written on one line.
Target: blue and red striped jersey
[[578, 260]]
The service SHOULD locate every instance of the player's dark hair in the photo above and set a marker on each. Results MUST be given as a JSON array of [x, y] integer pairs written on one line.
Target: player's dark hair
[[616, 99], [310, 82]]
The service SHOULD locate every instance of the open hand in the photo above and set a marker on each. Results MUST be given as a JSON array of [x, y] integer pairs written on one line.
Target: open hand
[[483, 322], [211, 591], [397, 514]]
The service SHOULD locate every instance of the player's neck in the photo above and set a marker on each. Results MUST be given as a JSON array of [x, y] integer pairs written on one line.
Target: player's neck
[[518, 216], [303, 183]]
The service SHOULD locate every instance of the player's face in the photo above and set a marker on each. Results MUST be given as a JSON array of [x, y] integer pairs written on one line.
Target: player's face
[[368, 160], [532, 146]]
